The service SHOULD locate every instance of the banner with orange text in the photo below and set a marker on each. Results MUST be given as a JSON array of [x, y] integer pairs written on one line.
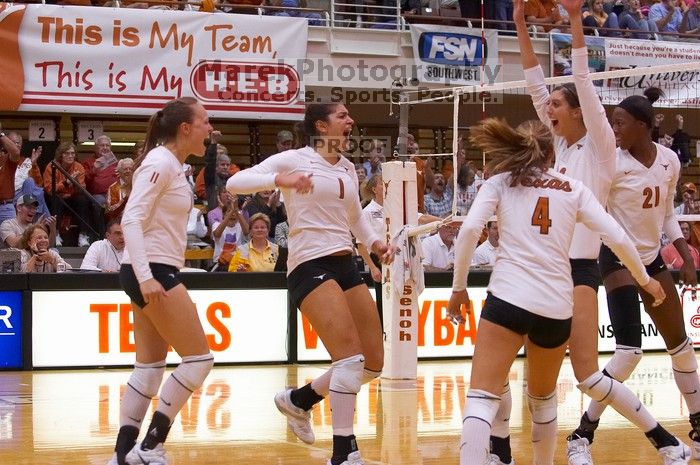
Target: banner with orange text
[[96, 328], [438, 337], [131, 61]]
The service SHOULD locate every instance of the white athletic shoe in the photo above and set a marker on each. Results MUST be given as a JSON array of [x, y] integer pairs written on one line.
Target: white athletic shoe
[[495, 460], [147, 457], [578, 452], [676, 455], [298, 419], [353, 459], [695, 447]]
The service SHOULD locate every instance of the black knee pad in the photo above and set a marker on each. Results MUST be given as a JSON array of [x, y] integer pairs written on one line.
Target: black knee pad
[[623, 308]]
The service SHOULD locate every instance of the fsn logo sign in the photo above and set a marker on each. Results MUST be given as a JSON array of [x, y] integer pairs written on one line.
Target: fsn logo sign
[[452, 49]]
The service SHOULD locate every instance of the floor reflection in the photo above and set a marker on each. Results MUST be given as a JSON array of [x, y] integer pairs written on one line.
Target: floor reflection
[[72, 416]]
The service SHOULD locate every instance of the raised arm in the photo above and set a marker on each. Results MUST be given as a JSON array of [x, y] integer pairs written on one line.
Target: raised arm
[[279, 170], [594, 117], [531, 66]]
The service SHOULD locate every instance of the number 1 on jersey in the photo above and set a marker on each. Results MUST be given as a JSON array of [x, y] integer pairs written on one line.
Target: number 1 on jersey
[[540, 217]]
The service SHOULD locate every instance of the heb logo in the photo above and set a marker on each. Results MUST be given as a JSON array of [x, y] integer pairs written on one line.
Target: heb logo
[[217, 81], [695, 321], [451, 49]]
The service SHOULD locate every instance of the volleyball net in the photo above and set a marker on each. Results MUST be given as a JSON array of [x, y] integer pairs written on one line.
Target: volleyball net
[[679, 129], [677, 109]]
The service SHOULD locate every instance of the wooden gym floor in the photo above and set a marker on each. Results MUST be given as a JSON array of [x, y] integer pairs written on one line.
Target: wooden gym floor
[[71, 417]]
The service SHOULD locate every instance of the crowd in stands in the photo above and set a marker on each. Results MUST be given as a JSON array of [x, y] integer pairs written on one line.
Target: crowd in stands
[[83, 200], [640, 19]]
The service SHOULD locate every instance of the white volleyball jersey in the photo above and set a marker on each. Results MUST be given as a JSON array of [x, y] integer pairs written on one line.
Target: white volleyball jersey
[[322, 222], [536, 221], [641, 200], [156, 214], [591, 160]]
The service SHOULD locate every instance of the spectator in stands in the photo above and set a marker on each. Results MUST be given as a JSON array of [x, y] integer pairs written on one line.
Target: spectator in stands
[[118, 193], [690, 205], [439, 201], [361, 173], [485, 254], [670, 254], [9, 159], [681, 142], [374, 214], [691, 20], [228, 234], [314, 18], [217, 169], [469, 9], [224, 197], [667, 16], [466, 189], [189, 176], [66, 191], [101, 169], [11, 230], [424, 171], [377, 156], [267, 202], [259, 254], [196, 229], [504, 12], [282, 234], [36, 256], [438, 249], [596, 17], [106, 255], [544, 14], [666, 140], [285, 141], [28, 175], [632, 18]]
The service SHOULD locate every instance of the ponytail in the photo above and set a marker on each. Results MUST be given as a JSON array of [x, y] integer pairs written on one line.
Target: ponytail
[[163, 124], [524, 152]]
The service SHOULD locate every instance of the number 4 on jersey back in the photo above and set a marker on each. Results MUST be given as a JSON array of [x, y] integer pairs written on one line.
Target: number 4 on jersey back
[[540, 217]]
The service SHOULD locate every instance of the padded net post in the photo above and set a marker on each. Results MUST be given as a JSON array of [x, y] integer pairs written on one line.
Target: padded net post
[[400, 308]]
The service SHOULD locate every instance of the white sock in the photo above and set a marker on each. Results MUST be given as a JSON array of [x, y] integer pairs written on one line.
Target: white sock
[[342, 412], [501, 423], [544, 428], [479, 412], [187, 378], [685, 373], [142, 386]]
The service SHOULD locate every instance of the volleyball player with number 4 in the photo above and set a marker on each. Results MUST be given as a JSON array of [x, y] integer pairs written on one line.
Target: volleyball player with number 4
[[537, 210]]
